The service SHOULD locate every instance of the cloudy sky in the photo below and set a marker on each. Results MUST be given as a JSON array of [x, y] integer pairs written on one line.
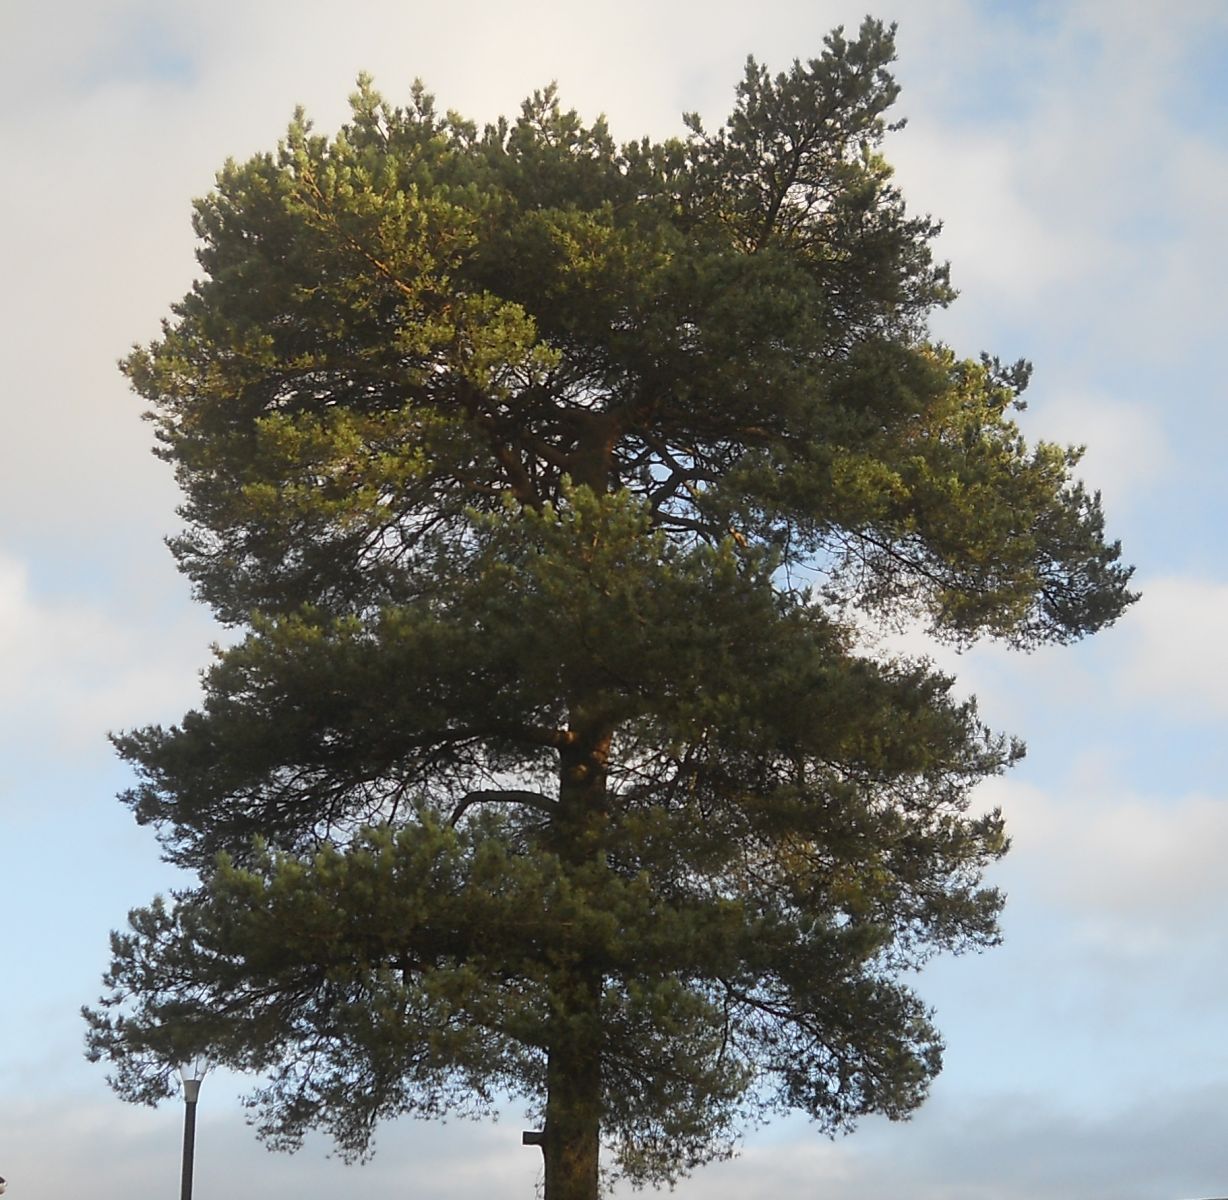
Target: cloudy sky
[[1078, 154]]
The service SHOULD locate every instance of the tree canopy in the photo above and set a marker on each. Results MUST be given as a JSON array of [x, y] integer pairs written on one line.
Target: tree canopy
[[548, 481]]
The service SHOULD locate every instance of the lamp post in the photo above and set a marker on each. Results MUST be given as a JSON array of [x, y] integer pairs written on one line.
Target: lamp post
[[190, 1075]]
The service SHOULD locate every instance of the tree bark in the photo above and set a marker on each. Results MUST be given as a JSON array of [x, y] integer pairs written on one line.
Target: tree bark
[[572, 1134], [573, 1099]]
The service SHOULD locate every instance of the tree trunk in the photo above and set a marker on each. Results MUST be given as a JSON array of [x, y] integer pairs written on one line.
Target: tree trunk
[[572, 1134], [573, 1106]]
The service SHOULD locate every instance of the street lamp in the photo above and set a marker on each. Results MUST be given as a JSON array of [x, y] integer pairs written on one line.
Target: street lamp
[[191, 1072]]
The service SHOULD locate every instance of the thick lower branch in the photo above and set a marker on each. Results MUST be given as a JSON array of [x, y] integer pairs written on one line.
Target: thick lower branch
[[502, 796]]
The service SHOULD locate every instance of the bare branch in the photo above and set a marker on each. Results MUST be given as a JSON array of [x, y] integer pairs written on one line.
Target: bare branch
[[509, 796]]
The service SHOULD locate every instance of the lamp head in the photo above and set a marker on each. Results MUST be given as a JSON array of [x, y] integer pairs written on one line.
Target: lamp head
[[191, 1072]]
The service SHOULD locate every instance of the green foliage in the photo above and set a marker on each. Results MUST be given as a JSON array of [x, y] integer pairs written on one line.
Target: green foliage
[[532, 771]]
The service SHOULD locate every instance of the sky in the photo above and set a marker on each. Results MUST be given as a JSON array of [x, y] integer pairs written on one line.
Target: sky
[[1077, 153]]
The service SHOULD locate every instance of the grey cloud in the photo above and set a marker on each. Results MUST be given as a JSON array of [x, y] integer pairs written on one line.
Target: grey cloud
[[992, 1147]]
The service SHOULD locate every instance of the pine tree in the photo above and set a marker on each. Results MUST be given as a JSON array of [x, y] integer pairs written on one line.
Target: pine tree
[[548, 483]]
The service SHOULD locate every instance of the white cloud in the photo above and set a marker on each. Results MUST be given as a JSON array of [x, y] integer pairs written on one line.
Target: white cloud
[[1176, 657], [1165, 662], [72, 672], [1128, 451], [1077, 195], [1000, 243], [1138, 878]]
